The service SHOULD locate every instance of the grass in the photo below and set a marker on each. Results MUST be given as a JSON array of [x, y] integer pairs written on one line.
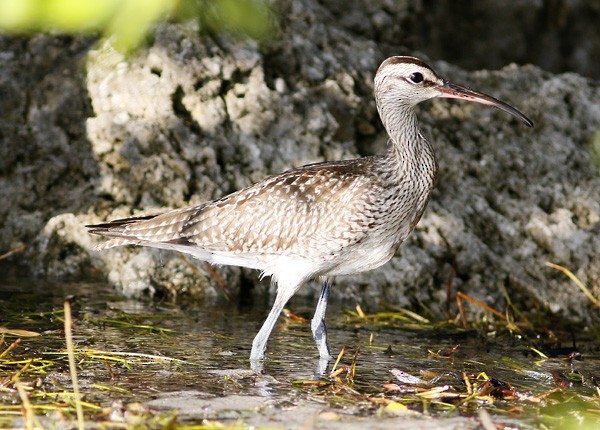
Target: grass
[[570, 399], [56, 372], [41, 394]]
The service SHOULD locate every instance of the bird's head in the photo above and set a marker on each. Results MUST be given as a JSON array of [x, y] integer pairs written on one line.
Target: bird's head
[[407, 81]]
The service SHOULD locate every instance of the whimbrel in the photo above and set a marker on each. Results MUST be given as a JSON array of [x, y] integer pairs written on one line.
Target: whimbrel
[[320, 220]]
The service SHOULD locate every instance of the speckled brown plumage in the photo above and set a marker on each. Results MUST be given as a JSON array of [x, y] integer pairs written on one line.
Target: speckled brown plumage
[[311, 213], [319, 220]]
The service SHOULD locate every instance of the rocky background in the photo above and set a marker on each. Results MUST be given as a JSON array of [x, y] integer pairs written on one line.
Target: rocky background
[[87, 135]]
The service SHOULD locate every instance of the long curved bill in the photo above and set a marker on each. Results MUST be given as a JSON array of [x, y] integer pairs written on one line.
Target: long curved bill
[[453, 91]]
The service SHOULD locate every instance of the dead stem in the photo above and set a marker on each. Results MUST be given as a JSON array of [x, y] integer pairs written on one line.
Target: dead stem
[[31, 420], [213, 273], [10, 348], [462, 296], [72, 366], [13, 251], [579, 284]]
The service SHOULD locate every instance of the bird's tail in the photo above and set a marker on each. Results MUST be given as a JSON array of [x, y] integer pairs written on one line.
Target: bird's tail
[[117, 231]]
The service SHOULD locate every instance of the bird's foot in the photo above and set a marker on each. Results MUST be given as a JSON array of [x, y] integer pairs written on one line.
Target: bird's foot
[[322, 367], [257, 366]]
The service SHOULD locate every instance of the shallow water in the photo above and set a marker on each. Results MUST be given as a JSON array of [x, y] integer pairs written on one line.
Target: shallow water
[[212, 379]]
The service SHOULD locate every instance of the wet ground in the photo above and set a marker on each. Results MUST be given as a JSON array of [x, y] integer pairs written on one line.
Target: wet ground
[[156, 365]]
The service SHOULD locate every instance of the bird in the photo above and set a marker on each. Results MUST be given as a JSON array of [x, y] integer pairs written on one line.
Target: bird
[[320, 220]]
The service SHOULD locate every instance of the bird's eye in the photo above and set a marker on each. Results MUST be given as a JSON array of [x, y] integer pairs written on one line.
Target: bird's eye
[[416, 77]]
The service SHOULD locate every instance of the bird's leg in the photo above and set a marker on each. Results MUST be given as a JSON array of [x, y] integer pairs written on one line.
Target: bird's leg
[[259, 344], [318, 323]]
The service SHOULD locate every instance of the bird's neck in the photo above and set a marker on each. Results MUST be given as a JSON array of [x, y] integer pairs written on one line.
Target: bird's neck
[[409, 149]]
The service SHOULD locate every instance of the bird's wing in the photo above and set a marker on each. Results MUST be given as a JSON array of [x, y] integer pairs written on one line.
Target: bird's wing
[[315, 207], [289, 213]]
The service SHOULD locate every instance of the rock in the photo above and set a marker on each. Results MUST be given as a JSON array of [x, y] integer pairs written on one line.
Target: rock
[[191, 118]]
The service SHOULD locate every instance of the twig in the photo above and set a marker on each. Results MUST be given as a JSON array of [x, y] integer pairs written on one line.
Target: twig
[[449, 283], [460, 296], [219, 281], [214, 275], [13, 251]]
